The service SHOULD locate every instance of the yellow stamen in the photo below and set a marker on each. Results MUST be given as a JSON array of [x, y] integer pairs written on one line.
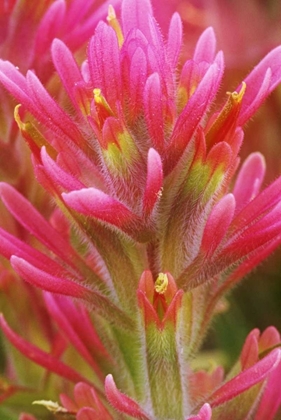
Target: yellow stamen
[[54, 407], [113, 22], [100, 99], [161, 283], [32, 135], [227, 118], [237, 97], [102, 107]]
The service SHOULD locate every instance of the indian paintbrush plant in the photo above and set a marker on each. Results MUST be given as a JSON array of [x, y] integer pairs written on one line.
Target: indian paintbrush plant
[[153, 219]]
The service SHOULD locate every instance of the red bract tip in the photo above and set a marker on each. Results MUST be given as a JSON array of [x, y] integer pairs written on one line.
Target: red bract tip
[[94, 203], [205, 413], [218, 224], [121, 402], [154, 182], [260, 83], [246, 379], [249, 180]]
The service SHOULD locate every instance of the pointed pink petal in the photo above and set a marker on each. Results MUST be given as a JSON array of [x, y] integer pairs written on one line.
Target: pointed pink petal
[[47, 111], [121, 402], [46, 281], [137, 77], [217, 224], [134, 40], [78, 34], [153, 107], [250, 351], [249, 180], [246, 379], [85, 395], [154, 181], [135, 15], [67, 68], [59, 177], [192, 114], [252, 261], [190, 77], [76, 13], [67, 403], [174, 42], [206, 47], [95, 203], [111, 130], [39, 356], [271, 398], [269, 338], [157, 46], [15, 83], [253, 241], [220, 156], [104, 63], [205, 413], [264, 201], [260, 83], [49, 26]]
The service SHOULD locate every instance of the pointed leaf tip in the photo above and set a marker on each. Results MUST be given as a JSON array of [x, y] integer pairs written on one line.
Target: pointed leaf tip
[[262, 80], [174, 42], [121, 402], [205, 413], [249, 180], [154, 181], [246, 379], [95, 203], [206, 47], [46, 281], [135, 14], [218, 223]]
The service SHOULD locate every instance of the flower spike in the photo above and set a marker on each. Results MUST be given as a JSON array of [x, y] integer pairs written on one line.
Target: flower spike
[[144, 217]]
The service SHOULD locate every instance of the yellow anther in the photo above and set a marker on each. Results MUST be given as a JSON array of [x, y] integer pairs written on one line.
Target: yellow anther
[[113, 22], [98, 96], [102, 108], [33, 135], [238, 96], [161, 283], [111, 14], [227, 118], [101, 101]]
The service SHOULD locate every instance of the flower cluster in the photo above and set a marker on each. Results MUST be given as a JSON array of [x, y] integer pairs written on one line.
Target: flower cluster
[[151, 221]]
